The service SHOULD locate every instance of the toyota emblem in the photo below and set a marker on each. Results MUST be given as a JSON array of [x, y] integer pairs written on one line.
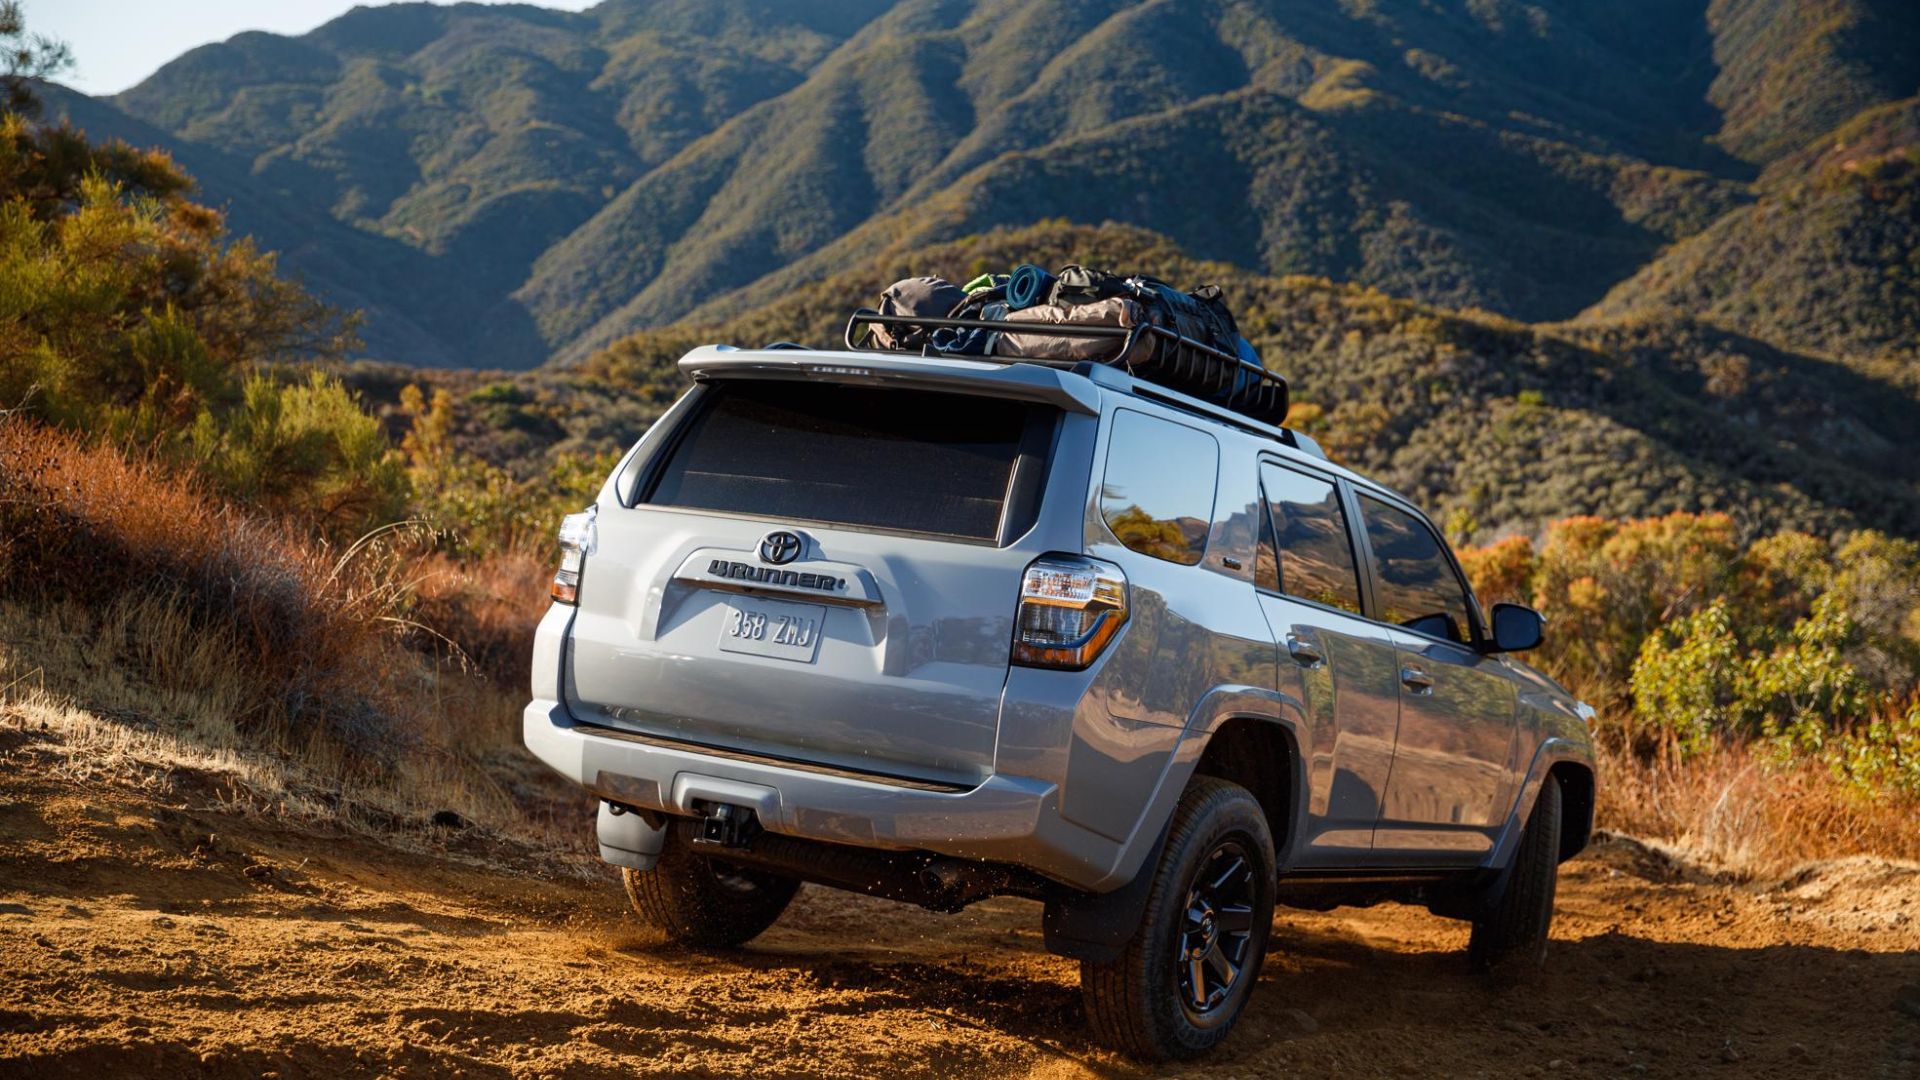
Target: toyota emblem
[[780, 548]]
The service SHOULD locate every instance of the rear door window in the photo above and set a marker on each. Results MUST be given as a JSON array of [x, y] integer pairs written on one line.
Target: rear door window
[[1414, 583], [1312, 553], [1157, 495], [905, 460]]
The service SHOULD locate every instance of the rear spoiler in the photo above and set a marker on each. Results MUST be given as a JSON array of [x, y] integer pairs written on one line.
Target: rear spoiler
[[1022, 381]]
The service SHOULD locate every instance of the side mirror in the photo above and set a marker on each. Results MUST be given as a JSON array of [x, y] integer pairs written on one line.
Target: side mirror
[[1516, 628]]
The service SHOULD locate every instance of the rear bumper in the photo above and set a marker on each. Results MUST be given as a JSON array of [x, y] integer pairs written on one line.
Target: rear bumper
[[1005, 819]]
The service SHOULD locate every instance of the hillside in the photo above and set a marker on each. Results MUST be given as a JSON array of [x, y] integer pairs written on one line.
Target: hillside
[[495, 184], [1826, 259]]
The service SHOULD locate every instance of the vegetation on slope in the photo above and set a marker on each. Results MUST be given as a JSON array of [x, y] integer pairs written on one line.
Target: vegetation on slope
[[1689, 639], [1826, 260], [214, 557], [1790, 70]]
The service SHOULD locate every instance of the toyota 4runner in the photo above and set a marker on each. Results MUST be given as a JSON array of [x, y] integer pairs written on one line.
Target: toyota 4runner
[[939, 629]]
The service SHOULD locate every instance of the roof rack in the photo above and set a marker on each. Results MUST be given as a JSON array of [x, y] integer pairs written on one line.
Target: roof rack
[[1179, 363]]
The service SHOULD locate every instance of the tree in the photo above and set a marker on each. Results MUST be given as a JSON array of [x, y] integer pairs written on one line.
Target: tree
[[28, 58]]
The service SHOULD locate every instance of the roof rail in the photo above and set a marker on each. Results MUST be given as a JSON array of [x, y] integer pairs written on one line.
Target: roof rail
[[1182, 365]]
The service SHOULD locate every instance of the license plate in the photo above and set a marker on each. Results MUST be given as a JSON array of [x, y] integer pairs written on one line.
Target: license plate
[[773, 628]]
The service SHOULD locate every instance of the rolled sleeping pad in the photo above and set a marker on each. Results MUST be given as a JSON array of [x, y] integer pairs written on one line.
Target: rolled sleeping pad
[[1028, 286]]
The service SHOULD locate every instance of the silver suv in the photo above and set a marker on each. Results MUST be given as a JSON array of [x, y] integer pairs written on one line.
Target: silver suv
[[940, 629]]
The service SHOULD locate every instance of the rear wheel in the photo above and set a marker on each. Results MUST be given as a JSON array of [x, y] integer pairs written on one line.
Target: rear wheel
[[1181, 982], [693, 900], [1510, 935]]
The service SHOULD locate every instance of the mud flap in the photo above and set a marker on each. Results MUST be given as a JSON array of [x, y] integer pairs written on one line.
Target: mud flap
[[1096, 926], [626, 839], [1476, 896]]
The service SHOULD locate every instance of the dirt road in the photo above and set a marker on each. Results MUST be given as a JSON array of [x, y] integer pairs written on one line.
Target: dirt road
[[137, 939]]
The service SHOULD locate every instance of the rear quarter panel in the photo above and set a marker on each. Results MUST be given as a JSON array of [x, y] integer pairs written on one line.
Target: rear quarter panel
[[1196, 652]]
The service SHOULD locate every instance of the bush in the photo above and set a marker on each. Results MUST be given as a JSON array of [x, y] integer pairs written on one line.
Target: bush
[[1696, 682], [1687, 683], [1690, 642], [306, 451], [482, 507], [126, 314], [1883, 755]]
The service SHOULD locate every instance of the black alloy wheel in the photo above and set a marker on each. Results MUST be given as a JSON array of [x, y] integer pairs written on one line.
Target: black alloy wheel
[[1216, 933]]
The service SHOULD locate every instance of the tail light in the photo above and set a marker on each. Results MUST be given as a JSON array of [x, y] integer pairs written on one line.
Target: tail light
[[577, 539], [1071, 608]]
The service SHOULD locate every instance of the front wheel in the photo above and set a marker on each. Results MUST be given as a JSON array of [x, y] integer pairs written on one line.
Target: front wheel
[[694, 900], [1510, 934], [1181, 982]]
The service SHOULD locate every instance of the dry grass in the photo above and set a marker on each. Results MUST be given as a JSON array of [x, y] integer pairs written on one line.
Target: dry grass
[[84, 524], [152, 627], [486, 607], [1735, 809], [135, 694]]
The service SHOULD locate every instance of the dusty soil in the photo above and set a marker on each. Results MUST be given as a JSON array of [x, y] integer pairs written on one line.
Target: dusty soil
[[138, 938]]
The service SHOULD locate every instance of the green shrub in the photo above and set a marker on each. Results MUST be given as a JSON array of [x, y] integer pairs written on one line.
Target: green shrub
[[481, 507], [1804, 691], [1686, 683], [305, 450], [1882, 756]]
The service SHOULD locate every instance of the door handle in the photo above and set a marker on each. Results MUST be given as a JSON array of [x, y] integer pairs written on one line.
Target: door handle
[[1416, 680], [1304, 652]]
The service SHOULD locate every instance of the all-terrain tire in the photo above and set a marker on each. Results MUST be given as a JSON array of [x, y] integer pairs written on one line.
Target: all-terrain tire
[[1510, 934], [1141, 1003], [695, 901]]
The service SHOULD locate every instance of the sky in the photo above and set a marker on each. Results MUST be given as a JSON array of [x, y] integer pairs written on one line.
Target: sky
[[116, 43]]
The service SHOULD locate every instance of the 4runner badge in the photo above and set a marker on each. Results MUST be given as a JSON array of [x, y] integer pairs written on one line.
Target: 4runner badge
[[773, 575], [780, 548]]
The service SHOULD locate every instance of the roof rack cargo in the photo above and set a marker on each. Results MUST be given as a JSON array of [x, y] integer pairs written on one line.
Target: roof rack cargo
[[1179, 363]]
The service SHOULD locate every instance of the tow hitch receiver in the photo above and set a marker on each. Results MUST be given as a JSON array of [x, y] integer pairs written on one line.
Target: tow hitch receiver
[[725, 825]]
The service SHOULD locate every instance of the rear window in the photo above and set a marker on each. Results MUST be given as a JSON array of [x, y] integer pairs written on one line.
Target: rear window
[[906, 460]]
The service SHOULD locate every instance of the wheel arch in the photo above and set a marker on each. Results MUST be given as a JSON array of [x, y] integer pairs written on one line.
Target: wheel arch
[[1577, 794], [1262, 755], [1570, 764]]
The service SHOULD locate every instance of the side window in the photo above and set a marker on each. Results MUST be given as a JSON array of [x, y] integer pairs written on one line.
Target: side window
[[1313, 555], [1157, 495], [1413, 581]]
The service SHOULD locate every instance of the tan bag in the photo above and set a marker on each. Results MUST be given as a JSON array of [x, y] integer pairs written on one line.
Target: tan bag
[[1115, 311]]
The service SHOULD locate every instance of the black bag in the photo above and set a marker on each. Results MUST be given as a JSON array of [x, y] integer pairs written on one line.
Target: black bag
[[929, 297]]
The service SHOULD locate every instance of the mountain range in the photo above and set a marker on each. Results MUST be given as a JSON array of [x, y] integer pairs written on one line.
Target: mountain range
[[497, 186]]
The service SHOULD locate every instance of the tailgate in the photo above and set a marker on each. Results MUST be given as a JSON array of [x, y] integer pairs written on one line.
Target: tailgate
[[817, 573]]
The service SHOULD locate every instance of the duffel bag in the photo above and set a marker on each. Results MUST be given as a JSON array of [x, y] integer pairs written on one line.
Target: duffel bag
[[1038, 345], [929, 297]]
